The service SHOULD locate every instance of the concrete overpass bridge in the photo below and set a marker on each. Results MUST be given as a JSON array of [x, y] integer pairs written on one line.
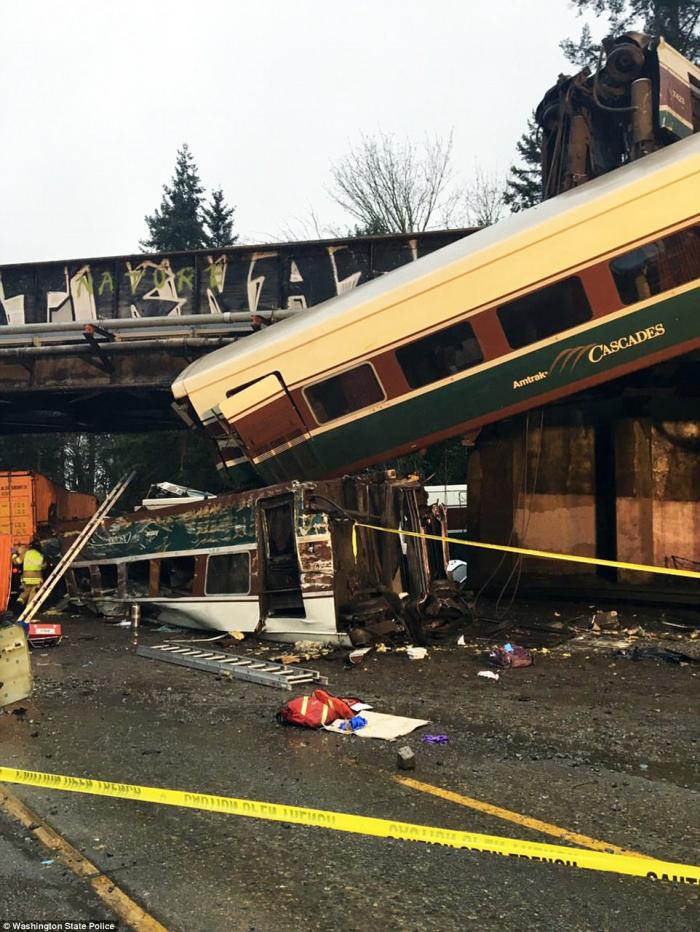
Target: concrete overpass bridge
[[94, 344]]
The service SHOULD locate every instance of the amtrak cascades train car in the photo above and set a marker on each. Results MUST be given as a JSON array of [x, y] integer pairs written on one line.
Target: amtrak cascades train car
[[595, 283]]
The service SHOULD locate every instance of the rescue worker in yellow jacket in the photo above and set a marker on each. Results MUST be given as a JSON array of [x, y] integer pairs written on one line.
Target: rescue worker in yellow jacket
[[18, 553], [32, 572]]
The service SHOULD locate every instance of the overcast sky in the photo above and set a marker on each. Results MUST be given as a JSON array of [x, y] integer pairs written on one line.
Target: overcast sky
[[98, 96]]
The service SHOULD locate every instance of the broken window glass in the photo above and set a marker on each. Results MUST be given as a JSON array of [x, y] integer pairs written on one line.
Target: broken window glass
[[228, 574], [543, 313], [658, 266], [439, 355], [342, 394]]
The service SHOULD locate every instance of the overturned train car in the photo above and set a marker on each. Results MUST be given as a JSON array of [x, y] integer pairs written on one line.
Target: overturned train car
[[279, 562]]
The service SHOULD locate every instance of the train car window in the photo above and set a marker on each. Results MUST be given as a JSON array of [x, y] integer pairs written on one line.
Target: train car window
[[543, 313], [228, 574], [138, 578], [439, 355], [176, 577], [83, 580], [658, 266], [342, 394], [108, 576]]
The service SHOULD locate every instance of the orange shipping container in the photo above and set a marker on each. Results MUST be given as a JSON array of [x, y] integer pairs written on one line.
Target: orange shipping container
[[31, 503], [5, 567]]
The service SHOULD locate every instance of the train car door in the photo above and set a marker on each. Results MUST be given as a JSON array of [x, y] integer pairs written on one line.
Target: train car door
[[265, 418], [280, 592]]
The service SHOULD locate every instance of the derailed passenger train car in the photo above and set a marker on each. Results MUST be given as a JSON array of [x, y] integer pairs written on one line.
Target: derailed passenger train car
[[279, 562], [593, 284]]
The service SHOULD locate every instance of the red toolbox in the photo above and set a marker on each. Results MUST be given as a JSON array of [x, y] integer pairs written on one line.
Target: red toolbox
[[44, 634]]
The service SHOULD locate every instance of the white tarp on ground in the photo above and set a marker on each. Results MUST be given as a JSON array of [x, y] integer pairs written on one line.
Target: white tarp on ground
[[386, 727]]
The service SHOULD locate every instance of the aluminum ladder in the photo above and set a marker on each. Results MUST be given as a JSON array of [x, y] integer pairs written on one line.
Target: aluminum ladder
[[46, 588], [264, 672]]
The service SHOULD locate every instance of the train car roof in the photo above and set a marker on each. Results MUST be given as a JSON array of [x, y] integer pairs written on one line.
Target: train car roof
[[487, 244]]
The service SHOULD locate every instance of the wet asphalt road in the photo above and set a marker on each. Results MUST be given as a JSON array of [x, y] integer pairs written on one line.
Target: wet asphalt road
[[589, 741]]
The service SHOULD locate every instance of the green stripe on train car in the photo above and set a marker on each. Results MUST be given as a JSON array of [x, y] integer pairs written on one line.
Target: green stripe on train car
[[558, 366]]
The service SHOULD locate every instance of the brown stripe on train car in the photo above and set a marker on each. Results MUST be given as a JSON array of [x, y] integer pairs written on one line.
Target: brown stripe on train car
[[488, 331], [600, 288], [502, 413]]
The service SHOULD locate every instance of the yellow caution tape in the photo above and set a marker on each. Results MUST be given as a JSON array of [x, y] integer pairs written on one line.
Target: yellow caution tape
[[544, 554], [634, 866]]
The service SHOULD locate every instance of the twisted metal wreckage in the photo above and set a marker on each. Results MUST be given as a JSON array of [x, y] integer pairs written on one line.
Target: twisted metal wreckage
[[280, 562]]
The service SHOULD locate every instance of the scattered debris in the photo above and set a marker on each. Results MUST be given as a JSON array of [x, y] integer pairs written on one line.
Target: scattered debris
[[488, 674], [385, 727], [405, 759], [657, 653], [435, 739], [511, 656], [461, 642], [353, 724], [417, 653], [605, 620], [305, 650], [321, 709], [357, 656], [457, 571]]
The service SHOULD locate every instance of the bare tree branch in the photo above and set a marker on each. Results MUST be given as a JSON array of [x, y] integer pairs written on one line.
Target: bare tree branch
[[388, 186], [483, 200]]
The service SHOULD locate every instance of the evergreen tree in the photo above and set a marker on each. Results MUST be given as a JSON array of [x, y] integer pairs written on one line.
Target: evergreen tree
[[442, 463], [218, 219], [678, 21], [524, 185], [179, 222]]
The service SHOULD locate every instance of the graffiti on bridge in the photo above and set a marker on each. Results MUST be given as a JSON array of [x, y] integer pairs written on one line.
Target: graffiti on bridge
[[249, 279]]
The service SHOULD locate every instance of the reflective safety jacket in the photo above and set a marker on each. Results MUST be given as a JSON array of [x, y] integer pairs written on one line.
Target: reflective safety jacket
[[32, 567]]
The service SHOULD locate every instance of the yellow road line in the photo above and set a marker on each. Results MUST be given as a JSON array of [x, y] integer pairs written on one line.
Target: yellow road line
[[114, 898], [537, 824]]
